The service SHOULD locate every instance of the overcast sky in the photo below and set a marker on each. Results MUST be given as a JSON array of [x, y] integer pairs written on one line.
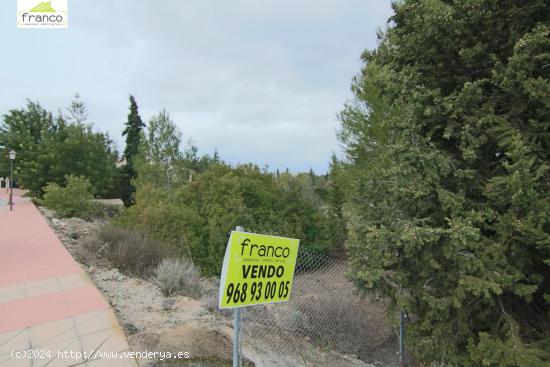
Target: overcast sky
[[260, 80]]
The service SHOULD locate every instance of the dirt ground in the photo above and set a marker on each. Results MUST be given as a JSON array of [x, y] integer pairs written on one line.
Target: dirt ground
[[154, 322]]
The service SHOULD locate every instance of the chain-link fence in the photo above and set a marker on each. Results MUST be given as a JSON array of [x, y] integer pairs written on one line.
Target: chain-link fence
[[325, 323]]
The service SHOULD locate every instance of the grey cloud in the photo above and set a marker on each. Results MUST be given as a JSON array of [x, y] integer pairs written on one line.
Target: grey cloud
[[260, 80]]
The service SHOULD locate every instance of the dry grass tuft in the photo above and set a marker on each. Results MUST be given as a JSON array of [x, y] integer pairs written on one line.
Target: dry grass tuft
[[178, 275]]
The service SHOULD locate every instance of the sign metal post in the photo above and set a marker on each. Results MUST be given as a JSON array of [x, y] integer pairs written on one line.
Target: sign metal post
[[237, 329]]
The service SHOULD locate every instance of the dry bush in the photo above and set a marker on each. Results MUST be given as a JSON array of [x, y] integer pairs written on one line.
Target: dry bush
[[128, 250], [178, 275]]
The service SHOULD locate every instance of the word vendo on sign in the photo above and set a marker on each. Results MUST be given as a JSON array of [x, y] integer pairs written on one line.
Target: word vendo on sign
[[257, 269]]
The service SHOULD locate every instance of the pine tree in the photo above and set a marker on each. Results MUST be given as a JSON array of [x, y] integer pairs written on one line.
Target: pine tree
[[159, 161], [78, 113], [448, 142], [134, 136]]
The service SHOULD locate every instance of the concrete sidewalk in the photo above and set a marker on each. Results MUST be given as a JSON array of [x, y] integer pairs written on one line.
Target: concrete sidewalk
[[51, 314]]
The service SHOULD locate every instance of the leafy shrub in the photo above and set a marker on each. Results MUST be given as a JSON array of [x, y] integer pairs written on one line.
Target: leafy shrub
[[178, 275], [129, 250], [196, 218], [73, 200]]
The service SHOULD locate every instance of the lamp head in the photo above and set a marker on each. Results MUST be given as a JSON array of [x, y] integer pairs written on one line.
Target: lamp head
[[12, 154]]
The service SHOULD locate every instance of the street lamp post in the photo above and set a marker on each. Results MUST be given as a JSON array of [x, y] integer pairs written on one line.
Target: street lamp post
[[12, 158]]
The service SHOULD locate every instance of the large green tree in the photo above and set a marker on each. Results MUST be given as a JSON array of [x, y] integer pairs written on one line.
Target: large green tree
[[448, 142], [75, 149], [77, 111], [163, 139], [22, 131], [48, 149], [134, 137], [160, 160]]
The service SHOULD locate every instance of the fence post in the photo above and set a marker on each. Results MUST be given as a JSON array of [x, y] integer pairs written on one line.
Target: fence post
[[402, 359], [237, 330]]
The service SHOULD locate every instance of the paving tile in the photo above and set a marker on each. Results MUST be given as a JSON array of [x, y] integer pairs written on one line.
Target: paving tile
[[19, 341], [63, 353], [110, 340], [15, 362], [4, 338], [74, 281], [112, 363], [42, 287], [86, 316], [41, 357], [97, 321], [49, 307], [65, 363], [12, 292], [52, 332]]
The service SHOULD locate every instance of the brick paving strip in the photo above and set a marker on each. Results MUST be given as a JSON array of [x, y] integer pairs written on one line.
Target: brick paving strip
[[48, 305]]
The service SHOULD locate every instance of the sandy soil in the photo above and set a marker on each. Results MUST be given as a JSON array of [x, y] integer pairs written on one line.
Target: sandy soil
[[151, 321], [154, 322]]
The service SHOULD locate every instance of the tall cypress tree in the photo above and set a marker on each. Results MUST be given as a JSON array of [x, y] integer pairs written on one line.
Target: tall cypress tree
[[449, 145], [134, 135]]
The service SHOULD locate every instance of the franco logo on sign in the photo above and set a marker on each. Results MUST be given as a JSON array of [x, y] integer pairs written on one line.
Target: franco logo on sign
[[41, 14]]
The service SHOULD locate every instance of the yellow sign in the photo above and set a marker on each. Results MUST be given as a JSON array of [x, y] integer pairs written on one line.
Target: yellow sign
[[257, 269]]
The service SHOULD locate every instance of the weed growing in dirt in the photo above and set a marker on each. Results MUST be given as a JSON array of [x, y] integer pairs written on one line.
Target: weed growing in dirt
[[129, 250], [178, 275]]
